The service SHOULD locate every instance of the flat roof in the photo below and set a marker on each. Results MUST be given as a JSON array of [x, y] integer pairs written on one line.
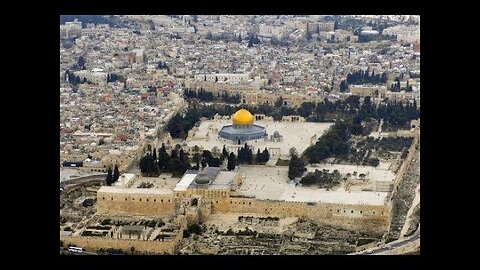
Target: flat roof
[[186, 180], [128, 178], [223, 180], [271, 183], [140, 191]]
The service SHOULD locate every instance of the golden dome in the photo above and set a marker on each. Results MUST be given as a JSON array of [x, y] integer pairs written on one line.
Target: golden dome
[[242, 117]]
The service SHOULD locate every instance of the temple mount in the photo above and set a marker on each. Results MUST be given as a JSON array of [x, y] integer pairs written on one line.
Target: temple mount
[[242, 128]]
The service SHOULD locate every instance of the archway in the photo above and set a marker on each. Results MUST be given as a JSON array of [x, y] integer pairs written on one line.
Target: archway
[[194, 202]]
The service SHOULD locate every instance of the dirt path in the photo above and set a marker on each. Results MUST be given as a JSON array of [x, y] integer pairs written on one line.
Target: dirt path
[[415, 202]]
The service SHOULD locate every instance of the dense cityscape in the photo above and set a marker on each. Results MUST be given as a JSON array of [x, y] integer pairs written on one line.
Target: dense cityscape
[[239, 135]]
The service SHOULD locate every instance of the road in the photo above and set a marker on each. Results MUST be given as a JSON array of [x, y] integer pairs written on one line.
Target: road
[[392, 245], [64, 251]]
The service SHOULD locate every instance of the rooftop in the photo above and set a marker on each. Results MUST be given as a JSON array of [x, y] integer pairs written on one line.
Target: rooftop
[[270, 183], [140, 191]]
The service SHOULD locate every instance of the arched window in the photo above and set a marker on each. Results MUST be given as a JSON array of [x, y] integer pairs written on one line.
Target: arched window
[[194, 202]]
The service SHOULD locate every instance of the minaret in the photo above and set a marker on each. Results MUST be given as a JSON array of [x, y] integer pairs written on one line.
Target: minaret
[[122, 180]]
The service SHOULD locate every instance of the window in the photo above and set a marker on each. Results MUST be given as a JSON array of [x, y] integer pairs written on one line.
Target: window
[[147, 200], [243, 202], [231, 202], [343, 211], [140, 199], [169, 200], [361, 212], [161, 200], [111, 198], [103, 198], [351, 212], [125, 199], [155, 200], [133, 199], [374, 213], [217, 201], [338, 211], [250, 203]]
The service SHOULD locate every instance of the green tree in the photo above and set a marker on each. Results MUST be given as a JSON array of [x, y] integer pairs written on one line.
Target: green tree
[[343, 86], [258, 157], [231, 162], [174, 154], [296, 168], [174, 165], [154, 154], [184, 164], [357, 128], [224, 153], [279, 102], [293, 152], [81, 62], [163, 157], [196, 157], [116, 173], [265, 155], [250, 43], [109, 179]]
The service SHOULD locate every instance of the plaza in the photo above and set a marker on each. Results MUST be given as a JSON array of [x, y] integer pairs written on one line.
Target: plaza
[[294, 134]]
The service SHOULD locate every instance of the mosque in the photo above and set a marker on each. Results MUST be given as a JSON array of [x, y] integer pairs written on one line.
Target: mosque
[[243, 128]]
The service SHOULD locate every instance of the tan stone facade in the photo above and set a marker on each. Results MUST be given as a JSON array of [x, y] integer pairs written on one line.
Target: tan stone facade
[[372, 91], [151, 247], [250, 94], [372, 218], [135, 204]]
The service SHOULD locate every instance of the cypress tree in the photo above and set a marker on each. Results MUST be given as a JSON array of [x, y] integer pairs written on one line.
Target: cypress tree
[[231, 162], [109, 179], [116, 173]]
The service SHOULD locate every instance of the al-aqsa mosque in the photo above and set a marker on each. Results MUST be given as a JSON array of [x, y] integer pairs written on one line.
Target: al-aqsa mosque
[[243, 128]]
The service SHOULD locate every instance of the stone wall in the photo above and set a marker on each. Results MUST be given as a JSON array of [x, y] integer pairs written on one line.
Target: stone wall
[[360, 217], [403, 170], [135, 204], [408, 248], [374, 219], [157, 247], [95, 243]]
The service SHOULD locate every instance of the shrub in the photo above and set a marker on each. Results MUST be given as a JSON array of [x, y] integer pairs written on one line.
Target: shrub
[[390, 239], [194, 229], [151, 223], [106, 221], [145, 185], [364, 241]]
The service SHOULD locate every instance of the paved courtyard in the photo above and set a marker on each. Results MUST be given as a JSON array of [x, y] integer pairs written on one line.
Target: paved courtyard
[[271, 183], [295, 134]]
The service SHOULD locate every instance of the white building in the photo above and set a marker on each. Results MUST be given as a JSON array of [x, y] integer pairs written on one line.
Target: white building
[[71, 29]]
